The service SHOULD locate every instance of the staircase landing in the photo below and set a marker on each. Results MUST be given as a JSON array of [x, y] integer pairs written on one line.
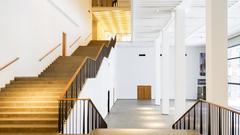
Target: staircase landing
[[142, 132], [124, 132]]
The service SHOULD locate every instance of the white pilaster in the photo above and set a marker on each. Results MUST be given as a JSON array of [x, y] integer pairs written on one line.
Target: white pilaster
[[180, 64], [216, 51], [158, 69], [165, 72]]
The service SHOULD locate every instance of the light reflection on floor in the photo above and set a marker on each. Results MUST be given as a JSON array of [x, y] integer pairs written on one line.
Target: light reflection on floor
[[140, 114]]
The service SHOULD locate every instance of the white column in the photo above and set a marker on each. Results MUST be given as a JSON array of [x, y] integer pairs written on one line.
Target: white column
[[165, 72], [216, 51], [158, 69], [180, 64]]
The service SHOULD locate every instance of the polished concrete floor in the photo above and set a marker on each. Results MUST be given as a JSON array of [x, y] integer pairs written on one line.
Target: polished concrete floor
[[141, 114]]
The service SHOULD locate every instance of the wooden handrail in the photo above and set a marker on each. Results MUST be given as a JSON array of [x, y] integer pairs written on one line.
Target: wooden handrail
[[75, 41], [204, 101], [87, 37], [77, 71], [188, 111], [44, 56], [77, 99], [9, 63], [64, 44], [226, 108], [73, 99]]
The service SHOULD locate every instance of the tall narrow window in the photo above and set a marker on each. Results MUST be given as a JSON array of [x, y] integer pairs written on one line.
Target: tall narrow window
[[234, 76]]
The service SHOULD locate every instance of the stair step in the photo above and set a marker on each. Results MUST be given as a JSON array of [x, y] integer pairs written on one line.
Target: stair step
[[36, 93], [64, 65], [62, 70], [52, 75], [28, 121], [40, 82], [28, 128], [31, 103], [39, 79], [32, 89], [53, 98], [57, 73], [28, 114], [29, 109], [35, 85]]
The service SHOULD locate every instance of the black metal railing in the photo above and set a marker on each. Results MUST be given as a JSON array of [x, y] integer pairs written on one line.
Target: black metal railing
[[88, 69], [82, 119], [104, 3], [210, 119]]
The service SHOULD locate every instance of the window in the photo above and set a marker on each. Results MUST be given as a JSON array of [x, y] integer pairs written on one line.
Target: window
[[234, 76]]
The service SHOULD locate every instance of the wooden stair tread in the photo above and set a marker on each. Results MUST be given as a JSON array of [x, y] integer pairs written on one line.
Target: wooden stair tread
[[1, 107], [28, 126], [28, 112], [30, 104], [28, 119]]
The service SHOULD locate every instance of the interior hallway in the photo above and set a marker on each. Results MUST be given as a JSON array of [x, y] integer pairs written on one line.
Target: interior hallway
[[140, 114]]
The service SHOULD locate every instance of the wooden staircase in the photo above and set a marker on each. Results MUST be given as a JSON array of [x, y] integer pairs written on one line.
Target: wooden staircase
[[30, 104]]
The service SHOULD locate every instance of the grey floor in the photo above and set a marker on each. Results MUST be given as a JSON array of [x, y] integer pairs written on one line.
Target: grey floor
[[140, 114]]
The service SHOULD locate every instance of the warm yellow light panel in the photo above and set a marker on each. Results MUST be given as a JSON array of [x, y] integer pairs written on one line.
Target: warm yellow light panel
[[114, 21]]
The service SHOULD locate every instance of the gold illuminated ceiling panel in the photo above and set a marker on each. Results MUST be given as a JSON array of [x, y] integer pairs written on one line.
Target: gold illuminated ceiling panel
[[114, 21]]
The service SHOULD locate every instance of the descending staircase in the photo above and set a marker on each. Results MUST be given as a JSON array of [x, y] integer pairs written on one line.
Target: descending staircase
[[30, 104]]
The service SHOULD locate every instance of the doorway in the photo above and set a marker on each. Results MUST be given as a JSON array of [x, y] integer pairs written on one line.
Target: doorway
[[144, 92]]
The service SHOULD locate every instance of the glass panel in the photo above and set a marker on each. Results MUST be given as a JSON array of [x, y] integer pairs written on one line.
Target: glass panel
[[234, 71], [234, 52], [234, 77], [234, 96]]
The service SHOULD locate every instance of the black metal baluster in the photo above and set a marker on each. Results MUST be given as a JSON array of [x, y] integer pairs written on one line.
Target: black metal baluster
[[209, 119], [220, 121], [238, 125], [194, 118], [95, 119], [180, 123], [92, 117], [232, 123], [88, 123], [76, 114], [201, 122], [184, 122], [84, 117], [80, 117]]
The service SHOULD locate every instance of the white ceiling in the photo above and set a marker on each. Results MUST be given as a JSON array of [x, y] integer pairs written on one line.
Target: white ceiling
[[150, 16], [195, 23]]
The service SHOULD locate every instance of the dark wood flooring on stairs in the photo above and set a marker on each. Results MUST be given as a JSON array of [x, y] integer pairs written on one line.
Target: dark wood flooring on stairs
[[30, 104]]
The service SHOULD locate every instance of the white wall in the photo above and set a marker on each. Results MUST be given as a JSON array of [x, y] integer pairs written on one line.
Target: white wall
[[132, 70], [192, 70], [97, 88], [31, 28]]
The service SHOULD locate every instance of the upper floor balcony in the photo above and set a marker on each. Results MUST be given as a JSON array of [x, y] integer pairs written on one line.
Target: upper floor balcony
[[111, 3]]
